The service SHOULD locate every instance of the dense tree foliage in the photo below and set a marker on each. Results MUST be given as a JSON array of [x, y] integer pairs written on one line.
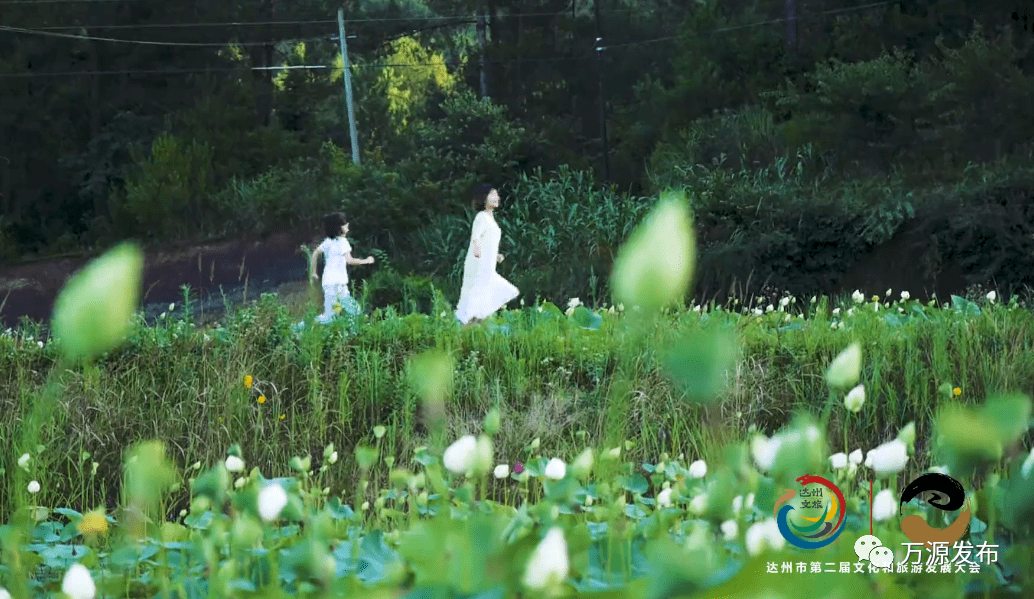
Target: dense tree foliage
[[181, 120]]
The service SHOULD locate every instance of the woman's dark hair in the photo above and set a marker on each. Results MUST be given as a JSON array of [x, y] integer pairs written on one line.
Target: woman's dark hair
[[332, 224], [481, 195]]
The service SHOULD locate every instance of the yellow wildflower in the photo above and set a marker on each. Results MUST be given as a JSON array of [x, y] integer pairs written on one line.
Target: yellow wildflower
[[261, 399], [93, 523], [876, 298], [956, 391], [282, 416], [248, 381]]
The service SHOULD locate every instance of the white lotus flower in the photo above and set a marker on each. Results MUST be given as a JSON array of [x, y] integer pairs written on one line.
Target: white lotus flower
[[856, 457], [858, 296], [884, 506], [582, 464], [764, 451], [4, 594], [654, 267], [890, 458], [845, 368], [23, 462], [730, 530], [907, 434], [699, 504], [483, 455], [698, 469], [549, 563], [855, 399], [664, 498], [459, 457], [34, 487], [234, 464], [838, 460], [764, 535], [991, 296], [78, 584], [905, 295], [739, 504], [501, 471], [272, 499], [556, 469]]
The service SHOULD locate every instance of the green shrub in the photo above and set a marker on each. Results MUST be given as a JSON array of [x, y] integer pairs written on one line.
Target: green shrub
[[864, 111], [980, 92], [282, 196], [241, 148], [471, 141], [407, 294], [170, 192], [746, 138], [898, 109]]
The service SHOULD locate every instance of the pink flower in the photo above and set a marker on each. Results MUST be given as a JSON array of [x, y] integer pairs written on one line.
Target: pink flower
[[518, 468]]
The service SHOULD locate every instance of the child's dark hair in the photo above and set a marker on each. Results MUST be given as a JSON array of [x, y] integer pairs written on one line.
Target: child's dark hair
[[332, 224], [481, 195]]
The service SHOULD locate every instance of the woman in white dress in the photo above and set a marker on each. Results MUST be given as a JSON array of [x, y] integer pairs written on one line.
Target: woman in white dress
[[484, 291]]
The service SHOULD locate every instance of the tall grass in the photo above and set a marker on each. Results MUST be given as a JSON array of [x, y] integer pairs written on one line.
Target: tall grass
[[551, 378]]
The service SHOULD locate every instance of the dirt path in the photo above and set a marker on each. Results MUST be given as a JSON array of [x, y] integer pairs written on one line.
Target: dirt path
[[229, 271]]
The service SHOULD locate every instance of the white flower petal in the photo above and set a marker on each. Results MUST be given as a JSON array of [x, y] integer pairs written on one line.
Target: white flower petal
[[549, 563], [271, 501], [78, 584], [459, 457]]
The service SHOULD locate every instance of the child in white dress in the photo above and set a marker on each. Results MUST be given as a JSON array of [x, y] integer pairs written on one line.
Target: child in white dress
[[335, 273], [483, 291]]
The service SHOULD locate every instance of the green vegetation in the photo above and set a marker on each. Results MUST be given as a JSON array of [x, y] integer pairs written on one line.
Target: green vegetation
[[634, 446], [653, 442]]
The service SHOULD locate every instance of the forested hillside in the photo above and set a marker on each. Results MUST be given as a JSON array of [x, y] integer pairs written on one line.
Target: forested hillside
[[823, 142]]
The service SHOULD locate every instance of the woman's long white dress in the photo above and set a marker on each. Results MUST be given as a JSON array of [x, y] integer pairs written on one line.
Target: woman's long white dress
[[483, 291]]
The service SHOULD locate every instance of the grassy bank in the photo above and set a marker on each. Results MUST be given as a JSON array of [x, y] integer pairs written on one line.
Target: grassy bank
[[551, 377], [336, 420]]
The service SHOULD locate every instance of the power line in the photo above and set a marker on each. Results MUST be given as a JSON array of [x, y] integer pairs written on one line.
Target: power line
[[411, 65], [359, 20], [151, 42], [245, 69], [184, 25], [166, 71]]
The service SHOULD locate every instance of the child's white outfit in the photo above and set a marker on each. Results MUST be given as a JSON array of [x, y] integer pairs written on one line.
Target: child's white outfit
[[335, 276]]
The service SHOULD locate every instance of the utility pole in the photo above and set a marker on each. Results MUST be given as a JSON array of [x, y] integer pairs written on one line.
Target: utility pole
[[791, 24], [484, 59], [347, 69], [603, 98]]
